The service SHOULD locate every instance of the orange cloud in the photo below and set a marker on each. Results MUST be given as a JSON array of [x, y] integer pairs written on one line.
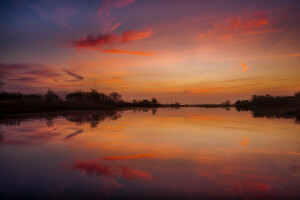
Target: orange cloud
[[128, 157], [127, 52], [197, 91], [251, 24], [99, 39], [133, 174], [92, 168], [246, 23], [96, 42], [295, 54], [245, 67], [201, 91], [135, 35]]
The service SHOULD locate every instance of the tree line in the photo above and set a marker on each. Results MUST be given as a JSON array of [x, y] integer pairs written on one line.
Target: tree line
[[268, 101], [78, 97]]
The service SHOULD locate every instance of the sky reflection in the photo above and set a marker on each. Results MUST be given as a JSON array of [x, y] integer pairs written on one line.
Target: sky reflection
[[188, 152]]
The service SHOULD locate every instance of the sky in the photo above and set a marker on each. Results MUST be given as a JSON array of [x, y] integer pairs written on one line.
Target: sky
[[190, 51]]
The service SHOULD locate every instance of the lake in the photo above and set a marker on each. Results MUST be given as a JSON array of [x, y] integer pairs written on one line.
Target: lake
[[164, 153]]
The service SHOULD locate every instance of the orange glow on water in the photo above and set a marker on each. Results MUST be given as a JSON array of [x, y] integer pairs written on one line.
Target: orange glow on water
[[229, 152]]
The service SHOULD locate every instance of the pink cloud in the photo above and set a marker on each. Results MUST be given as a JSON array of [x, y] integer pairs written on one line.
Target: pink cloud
[[246, 24]]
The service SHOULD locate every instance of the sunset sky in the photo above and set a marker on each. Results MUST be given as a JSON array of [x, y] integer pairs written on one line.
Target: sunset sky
[[190, 51]]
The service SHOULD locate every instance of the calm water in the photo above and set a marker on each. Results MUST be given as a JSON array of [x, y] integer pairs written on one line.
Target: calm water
[[186, 153]]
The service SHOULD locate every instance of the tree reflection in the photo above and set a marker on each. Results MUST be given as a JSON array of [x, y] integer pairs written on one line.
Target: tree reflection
[[94, 118]]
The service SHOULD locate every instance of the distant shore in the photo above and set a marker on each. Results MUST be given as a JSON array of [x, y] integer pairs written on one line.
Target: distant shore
[[259, 105]]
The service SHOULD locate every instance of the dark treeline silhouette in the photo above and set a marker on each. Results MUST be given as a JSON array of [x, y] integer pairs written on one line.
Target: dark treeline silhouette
[[259, 101], [272, 106], [17, 102]]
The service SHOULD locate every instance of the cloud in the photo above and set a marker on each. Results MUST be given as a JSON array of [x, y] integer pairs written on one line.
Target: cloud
[[244, 67], [103, 15], [122, 3], [91, 168], [128, 157], [25, 79], [111, 27], [94, 168], [27, 72], [133, 174], [73, 134], [196, 91], [239, 80], [127, 52], [30, 137], [202, 90], [246, 24], [109, 4], [99, 40], [135, 35], [294, 55], [52, 11], [78, 77], [96, 42]]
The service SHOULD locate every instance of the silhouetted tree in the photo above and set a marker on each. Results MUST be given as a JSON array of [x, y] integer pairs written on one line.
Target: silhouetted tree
[[145, 102], [176, 104], [154, 101], [51, 96], [93, 95], [76, 96], [226, 103], [1, 85], [115, 96]]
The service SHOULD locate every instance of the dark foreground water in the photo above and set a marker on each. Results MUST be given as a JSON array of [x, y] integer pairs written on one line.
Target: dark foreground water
[[186, 153]]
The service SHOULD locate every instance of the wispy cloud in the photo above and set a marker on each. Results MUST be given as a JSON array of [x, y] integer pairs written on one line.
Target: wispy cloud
[[135, 35], [73, 134], [239, 80], [133, 174], [95, 40], [52, 11], [205, 90], [27, 72], [128, 157], [128, 52], [99, 39], [109, 4], [76, 76], [104, 14], [294, 55], [94, 167], [122, 3], [246, 24]]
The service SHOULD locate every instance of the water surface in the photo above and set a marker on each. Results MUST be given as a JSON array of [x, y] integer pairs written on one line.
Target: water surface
[[186, 153]]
